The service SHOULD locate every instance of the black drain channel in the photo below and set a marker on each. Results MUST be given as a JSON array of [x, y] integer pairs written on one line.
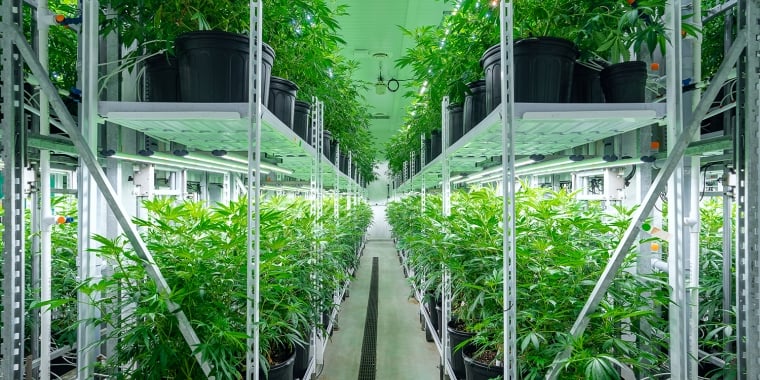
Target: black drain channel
[[368, 364]]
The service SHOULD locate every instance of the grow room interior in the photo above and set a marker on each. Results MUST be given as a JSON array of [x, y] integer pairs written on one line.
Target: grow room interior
[[569, 187]]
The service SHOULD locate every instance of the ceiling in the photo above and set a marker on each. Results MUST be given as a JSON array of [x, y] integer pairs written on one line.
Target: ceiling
[[373, 27]]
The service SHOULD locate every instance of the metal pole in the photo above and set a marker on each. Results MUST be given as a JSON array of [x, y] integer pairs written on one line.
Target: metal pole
[[748, 203], [14, 157], [254, 195], [508, 192], [446, 198], [631, 233], [43, 27]]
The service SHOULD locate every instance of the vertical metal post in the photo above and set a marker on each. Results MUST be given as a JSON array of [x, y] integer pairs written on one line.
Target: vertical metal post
[[729, 129], [14, 159], [253, 273], [508, 190], [89, 215], [423, 188], [336, 188], [682, 363], [748, 203], [446, 198]]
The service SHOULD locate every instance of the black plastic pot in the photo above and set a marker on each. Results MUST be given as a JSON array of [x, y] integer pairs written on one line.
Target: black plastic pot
[[161, 79], [456, 337], [430, 304], [326, 137], [474, 109], [456, 127], [543, 71], [280, 371], [213, 67], [301, 363], [301, 119], [625, 82], [587, 87], [428, 150], [282, 100], [435, 138], [343, 163], [476, 370], [333, 150]]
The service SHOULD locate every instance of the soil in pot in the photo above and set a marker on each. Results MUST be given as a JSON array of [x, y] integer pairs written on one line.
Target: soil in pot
[[480, 368], [457, 335], [543, 71], [587, 86], [281, 367], [625, 82], [161, 79], [282, 100], [474, 109], [456, 126], [213, 67], [301, 119]]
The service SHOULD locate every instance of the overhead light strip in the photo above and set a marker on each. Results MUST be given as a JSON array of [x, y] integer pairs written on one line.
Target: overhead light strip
[[263, 165], [167, 163]]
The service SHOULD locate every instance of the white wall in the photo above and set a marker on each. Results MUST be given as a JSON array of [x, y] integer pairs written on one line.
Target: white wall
[[378, 190]]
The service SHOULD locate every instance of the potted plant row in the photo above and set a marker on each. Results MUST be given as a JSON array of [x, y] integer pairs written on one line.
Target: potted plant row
[[562, 247], [201, 251], [198, 52]]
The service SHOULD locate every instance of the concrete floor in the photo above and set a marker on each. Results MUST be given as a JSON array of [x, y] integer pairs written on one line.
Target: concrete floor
[[402, 352]]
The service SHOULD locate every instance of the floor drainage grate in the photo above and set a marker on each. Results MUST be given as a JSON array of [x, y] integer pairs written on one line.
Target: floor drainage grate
[[368, 363]]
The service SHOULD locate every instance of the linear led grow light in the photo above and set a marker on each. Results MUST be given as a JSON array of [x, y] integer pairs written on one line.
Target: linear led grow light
[[263, 165], [174, 164]]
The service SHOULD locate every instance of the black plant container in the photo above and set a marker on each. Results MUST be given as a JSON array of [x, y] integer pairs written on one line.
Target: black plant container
[[417, 163], [282, 99], [301, 363], [280, 371], [326, 137], [333, 150], [474, 109], [456, 337], [543, 71], [436, 138], [301, 124], [587, 87], [161, 79], [476, 370], [428, 150], [343, 166], [625, 82], [213, 67], [456, 127]]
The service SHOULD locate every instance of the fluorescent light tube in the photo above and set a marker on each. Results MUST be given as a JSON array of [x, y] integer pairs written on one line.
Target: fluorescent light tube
[[162, 162], [263, 165]]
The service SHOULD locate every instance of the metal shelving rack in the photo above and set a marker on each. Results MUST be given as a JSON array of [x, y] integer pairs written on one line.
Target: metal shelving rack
[[198, 126], [517, 128]]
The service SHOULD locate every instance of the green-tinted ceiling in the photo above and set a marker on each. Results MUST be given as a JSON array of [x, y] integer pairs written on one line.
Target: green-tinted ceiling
[[373, 27]]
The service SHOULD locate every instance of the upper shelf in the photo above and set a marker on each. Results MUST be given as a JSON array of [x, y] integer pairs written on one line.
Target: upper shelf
[[210, 126], [542, 128]]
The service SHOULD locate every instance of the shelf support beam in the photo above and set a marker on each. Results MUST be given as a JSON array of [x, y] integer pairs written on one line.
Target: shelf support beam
[[748, 204]]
